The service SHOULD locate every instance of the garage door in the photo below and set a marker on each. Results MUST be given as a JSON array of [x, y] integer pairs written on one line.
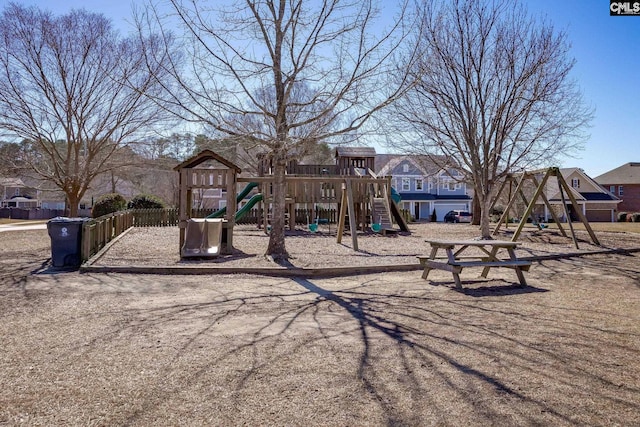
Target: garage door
[[442, 209], [599, 215]]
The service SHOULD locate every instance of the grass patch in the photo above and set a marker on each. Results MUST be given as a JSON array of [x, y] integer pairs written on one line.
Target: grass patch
[[4, 221]]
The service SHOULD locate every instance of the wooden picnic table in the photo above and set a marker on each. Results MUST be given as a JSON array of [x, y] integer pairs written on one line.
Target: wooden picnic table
[[486, 256]]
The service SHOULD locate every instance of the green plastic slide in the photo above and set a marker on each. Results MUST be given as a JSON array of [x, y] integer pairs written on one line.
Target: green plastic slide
[[395, 196], [246, 208], [241, 195]]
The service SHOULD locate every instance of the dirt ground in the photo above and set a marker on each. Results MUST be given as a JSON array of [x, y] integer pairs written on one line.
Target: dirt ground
[[380, 349]]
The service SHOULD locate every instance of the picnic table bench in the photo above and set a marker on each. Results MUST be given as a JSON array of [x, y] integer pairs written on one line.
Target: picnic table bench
[[487, 258]]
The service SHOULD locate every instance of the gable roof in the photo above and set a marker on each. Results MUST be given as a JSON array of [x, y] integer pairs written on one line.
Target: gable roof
[[202, 157], [567, 172], [629, 173], [600, 194], [385, 163], [11, 182]]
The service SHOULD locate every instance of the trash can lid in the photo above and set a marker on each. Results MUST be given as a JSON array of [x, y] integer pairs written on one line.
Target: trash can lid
[[64, 219]]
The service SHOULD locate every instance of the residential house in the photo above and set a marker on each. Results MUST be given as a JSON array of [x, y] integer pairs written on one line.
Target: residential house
[[596, 203], [624, 182], [424, 187], [15, 194]]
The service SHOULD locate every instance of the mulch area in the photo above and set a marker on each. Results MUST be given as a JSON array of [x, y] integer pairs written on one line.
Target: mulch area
[[379, 349], [160, 246]]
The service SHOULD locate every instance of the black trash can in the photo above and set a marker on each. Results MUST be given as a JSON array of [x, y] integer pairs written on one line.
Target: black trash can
[[66, 241]]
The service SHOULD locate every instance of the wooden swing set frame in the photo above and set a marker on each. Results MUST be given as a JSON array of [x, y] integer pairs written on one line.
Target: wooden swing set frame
[[539, 193]]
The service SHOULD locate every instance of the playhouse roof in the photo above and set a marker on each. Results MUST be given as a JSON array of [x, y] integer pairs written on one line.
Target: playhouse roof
[[355, 152], [202, 157]]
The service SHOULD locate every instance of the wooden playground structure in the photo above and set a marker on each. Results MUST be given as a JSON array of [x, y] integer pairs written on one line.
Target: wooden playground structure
[[364, 201]]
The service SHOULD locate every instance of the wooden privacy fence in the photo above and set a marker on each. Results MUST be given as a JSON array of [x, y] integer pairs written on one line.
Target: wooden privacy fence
[[169, 217], [155, 217]]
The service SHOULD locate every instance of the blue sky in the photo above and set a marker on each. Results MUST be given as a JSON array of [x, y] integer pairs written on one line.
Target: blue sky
[[606, 48]]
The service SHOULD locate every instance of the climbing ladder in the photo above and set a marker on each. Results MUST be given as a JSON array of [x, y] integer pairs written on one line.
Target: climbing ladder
[[381, 213]]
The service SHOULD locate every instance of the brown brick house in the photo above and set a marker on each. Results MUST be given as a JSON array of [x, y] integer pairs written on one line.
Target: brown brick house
[[624, 182]]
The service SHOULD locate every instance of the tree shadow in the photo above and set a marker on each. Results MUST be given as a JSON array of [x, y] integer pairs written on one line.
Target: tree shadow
[[413, 347], [499, 290]]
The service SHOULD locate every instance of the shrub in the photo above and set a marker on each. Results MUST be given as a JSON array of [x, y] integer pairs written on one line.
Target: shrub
[[622, 217], [635, 217], [145, 201], [497, 210], [107, 204]]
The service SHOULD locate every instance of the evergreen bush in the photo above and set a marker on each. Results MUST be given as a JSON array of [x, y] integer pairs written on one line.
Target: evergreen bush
[[109, 203], [145, 201]]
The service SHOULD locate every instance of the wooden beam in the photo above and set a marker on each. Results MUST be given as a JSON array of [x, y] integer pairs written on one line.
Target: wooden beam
[[343, 213], [505, 214], [537, 193], [581, 216], [566, 212], [548, 205], [352, 215]]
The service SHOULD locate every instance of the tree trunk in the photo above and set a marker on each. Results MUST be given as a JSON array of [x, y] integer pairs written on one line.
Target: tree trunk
[[476, 210], [73, 201], [482, 202], [276, 248], [485, 217]]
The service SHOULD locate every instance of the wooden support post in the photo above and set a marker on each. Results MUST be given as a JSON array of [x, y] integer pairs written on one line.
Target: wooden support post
[[343, 213], [548, 205], [352, 215], [581, 216], [566, 212], [539, 191], [505, 214]]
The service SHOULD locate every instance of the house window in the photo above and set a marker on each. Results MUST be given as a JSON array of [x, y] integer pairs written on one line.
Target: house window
[[405, 168], [452, 186], [418, 184], [17, 192], [575, 183], [612, 189], [406, 184], [620, 192]]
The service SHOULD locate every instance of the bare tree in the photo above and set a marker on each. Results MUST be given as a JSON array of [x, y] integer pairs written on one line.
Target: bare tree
[[73, 87], [494, 93], [282, 73], [177, 146]]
